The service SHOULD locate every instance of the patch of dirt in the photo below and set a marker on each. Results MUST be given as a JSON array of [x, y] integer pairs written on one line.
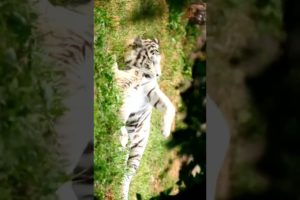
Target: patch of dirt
[[109, 195], [156, 185], [175, 167], [172, 172]]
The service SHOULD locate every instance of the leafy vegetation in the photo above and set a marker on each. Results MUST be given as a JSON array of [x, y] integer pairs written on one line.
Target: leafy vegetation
[[30, 103]]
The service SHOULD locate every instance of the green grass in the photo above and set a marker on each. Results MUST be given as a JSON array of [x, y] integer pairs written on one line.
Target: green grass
[[108, 159], [117, 23]]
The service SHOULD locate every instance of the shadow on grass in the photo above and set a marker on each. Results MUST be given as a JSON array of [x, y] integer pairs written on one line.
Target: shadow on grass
[[151, 9], [275, 93], [147, 10], [178, 5], [192, 141]]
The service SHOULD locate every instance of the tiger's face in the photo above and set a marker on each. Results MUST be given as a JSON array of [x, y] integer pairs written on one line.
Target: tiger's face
[[145, 55], [152, 46]]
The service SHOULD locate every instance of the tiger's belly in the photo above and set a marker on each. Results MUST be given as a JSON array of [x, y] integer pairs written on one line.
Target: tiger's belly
[[135, 100]]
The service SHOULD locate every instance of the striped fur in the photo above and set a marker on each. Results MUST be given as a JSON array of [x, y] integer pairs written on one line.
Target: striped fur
[[139, 103], [129, 80], [67, 38]]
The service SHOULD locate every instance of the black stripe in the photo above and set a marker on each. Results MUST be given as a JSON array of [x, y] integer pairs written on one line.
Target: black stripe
[[136, 120], [144, 57], [150, 92], [145, 118], [132, 123], [128, 62], [139, 128], [139, 125], [137, 57], [137, 144], [140, 117], [147, 53], [133, 156], [156, 103], [131, 115]]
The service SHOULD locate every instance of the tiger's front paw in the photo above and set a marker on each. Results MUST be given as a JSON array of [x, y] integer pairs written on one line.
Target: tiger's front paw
[[166, 132], [168, 127], [123, 141]]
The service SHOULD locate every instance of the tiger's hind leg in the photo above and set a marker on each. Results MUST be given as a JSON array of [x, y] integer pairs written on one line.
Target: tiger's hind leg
[[139, 139], [124, 115]]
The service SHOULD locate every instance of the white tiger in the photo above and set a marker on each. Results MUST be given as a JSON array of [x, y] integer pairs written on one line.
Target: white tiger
[[139, 102], [66, 37], [128, 81]]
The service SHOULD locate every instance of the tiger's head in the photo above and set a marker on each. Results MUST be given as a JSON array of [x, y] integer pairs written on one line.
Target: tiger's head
[[144, 54]]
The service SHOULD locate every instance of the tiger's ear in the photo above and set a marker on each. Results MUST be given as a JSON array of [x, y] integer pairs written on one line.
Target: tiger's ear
[[156, 41], [137, 42]]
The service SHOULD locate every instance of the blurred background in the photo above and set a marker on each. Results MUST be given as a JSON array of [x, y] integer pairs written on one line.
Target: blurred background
[[253, 76]]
